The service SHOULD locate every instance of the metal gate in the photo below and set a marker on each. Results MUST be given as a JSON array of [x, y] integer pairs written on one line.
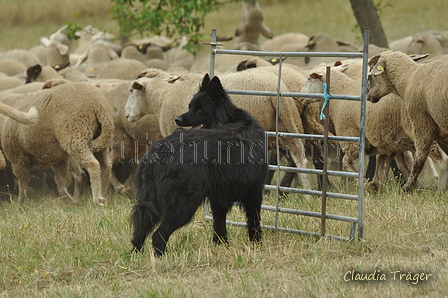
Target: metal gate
[[356, 223]]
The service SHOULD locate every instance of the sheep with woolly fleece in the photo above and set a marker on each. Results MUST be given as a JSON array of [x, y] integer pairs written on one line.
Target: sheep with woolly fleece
[[29, 117], [387, 128], [11, 67], [423, 89], [322, 42], [57, 47], [98, 52], [425, 43], [248, 32], [294, 80], [74, 123], [286, 42], [223, 63], [130, 140], [121, 68], [102, 62], [142, 51], [7, 82], [168, 100], [402, 44], [38, 73], [26, 57], [85, 36]]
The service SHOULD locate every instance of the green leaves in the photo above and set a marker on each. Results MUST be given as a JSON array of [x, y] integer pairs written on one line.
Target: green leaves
[[165, 17], [72, 29]]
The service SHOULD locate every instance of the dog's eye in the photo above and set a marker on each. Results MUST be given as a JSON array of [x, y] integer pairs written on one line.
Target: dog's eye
[[198, 111]]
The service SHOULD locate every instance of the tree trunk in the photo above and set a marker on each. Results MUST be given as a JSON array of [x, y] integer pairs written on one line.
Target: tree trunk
[[368, 19]]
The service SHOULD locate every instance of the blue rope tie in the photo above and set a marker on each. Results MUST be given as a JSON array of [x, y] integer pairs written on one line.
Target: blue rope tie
[[327, 97]]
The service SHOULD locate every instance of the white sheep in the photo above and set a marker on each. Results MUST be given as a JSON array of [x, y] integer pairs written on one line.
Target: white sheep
[[38, 73], [167, 101], [425, 43], [322, 42], [387, 126], [422, 86], [130, 140], [26, 57], [98, 52], [74, 123], [29, 117], [57, 47], [85, 36], [286, 42], [11, 67], [7, 82], [248, 32]]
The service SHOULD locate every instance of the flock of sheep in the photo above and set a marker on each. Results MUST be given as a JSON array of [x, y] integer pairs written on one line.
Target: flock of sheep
[[99, 105]]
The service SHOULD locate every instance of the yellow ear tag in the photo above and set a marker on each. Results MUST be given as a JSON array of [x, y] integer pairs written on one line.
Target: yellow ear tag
[[311, 42], [92, 69], [140, 47], [274, 60], [380, 68]]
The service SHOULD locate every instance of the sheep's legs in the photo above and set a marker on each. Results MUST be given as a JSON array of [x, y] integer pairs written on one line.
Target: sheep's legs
[[440, 158], [60, 174], [92, 166], [297, 151], [106, 169], [79, 178], [381, 170], [23, 176], [424, 136]]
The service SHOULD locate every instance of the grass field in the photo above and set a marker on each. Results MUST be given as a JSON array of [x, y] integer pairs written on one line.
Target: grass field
[[54, 249]]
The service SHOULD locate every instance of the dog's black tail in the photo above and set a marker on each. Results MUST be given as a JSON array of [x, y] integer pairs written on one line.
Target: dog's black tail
[[144, 217]]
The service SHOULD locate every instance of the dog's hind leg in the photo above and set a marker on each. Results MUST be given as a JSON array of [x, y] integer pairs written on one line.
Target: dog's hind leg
[[143, 218], [219, 212], [177, 215], [252, 207]]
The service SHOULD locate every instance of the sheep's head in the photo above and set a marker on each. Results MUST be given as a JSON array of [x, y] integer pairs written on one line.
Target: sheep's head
[[378, 84], [136, 106], [312, 85]]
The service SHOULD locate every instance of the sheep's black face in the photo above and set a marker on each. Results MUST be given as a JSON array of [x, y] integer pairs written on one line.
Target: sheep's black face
[[370, 93]]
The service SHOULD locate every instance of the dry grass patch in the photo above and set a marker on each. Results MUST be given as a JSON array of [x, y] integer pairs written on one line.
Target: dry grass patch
[[55, 249]]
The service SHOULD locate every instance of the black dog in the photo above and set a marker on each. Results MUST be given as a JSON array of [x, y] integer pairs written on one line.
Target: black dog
[[225, 161]]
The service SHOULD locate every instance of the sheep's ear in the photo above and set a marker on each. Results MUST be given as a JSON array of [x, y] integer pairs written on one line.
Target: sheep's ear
[[53, 83], [315, 75], [373, 60], [205, 83], [417, 57], [238, 32], [61, 66], [172, 79], [62, 48], [44, 41], [275, 61], [311, 44], [32, 72], [376, 70], [241, 66], [137, 86], [337, 63]]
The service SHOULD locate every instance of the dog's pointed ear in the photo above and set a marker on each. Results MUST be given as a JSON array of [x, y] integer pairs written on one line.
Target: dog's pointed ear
[[215, 88], [204, 84]]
